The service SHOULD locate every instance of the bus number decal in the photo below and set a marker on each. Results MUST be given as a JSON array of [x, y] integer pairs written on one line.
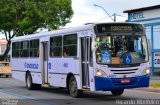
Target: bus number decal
[[31, 65], [65, 65], [49, 65]]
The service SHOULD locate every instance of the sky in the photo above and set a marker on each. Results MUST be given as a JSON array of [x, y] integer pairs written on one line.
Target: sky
[[86, 12]]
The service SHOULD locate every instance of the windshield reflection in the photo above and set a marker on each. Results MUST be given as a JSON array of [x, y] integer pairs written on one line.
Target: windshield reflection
[[121, 49]]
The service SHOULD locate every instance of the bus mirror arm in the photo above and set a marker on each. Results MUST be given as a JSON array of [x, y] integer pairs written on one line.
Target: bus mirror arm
[[94, 45]]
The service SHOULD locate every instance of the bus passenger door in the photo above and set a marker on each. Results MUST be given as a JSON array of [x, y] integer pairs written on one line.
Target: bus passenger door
[[85, 56], [45, 62]]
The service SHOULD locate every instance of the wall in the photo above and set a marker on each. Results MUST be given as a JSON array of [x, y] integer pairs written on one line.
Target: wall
[[151, 20]]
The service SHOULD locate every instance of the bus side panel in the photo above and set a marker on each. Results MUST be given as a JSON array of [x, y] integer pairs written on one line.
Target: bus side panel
[[36, 78], [20, 66], [78, 79], [59, 68], [18, 75], [91, 79], [53, 71], [18, 70], [58, 80]]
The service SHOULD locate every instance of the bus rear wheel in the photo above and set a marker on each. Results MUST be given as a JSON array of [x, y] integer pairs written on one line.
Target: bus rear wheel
[[73, 88], [117, 92], [29, 84]]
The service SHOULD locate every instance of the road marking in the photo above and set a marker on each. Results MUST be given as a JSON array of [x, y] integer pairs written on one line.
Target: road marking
[[16, 95], [26, 97]]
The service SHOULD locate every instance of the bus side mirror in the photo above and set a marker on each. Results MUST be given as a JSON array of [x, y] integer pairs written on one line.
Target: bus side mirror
[[94, 45], [149, 47]]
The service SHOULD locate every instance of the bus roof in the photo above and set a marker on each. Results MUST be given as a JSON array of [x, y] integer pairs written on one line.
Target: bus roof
[[54, 32], [64, 31]]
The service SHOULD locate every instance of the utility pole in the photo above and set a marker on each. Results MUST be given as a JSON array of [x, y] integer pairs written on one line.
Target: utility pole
[[104, 11], [114, 15]]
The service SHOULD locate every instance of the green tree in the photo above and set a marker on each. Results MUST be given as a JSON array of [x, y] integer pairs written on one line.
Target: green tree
[[22, 17]]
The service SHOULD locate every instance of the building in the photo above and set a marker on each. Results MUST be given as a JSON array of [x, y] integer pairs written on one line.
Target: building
[[150, 17], [3, 46]]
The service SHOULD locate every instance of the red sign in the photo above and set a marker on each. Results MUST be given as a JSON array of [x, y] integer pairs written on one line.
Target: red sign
[[125, 81]]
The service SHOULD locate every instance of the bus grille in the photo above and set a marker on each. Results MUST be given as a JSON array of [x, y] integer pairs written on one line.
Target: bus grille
[[127, 71]]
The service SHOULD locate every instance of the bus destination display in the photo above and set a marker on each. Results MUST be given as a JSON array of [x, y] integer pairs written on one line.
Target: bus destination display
[[103, 28]]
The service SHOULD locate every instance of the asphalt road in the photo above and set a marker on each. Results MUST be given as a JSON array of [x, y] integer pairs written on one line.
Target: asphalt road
[[14, 92]]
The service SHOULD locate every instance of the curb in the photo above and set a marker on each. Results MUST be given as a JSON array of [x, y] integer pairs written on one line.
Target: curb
[[154, 78], [149, 89]]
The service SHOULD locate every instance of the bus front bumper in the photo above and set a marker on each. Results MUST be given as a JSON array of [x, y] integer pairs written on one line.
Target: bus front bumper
[[107, 84]]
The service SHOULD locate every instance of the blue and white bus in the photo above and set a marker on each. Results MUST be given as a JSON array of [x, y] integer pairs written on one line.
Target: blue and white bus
[[104, 56]]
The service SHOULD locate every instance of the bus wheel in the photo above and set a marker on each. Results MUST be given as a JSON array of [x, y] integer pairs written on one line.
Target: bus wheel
[[117, 92], [29, 84], [73, 89]]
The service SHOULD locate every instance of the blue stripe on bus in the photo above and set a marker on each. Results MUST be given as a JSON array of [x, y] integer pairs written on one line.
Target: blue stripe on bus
[[104, 83]]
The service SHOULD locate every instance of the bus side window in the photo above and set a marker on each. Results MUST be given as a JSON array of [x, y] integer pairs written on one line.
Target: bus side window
[[70, 45], [21, 53], [56, 46], [65, 52], [15, 49], [34, 48]]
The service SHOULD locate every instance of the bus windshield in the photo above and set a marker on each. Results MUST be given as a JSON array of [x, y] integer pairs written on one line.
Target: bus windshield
[[121, 49]]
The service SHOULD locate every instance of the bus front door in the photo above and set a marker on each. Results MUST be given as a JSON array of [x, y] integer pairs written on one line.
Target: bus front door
[[85, 56], [45, 63]]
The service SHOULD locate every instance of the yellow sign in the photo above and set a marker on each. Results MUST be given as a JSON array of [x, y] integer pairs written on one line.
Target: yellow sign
[[115, 60], [121, 28]]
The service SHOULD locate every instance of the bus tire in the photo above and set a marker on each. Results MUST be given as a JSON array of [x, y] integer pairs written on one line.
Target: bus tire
[[29, 83], [73, 88], [117, 92]]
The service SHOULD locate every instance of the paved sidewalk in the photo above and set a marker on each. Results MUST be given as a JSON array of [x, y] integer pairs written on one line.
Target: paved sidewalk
[[154, 79]]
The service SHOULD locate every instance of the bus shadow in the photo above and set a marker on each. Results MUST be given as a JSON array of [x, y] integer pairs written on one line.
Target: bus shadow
[[106, 95], [59, 91]]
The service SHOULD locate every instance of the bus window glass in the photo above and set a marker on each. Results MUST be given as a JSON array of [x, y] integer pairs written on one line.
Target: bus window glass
[[15, 49], [34, 48], [24, 51], [56, 46], [70, 45], [121, 49]]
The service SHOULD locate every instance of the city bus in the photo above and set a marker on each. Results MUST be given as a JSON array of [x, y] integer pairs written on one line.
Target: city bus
[[93, 57]]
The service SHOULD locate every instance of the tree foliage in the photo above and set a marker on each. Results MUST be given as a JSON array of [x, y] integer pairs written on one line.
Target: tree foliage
[[22, 17]]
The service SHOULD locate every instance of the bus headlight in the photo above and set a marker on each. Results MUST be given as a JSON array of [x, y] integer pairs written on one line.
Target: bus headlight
[[146, 71], [100, 73]]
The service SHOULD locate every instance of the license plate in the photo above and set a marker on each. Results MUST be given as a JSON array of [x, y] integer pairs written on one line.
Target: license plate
[[125, 81]]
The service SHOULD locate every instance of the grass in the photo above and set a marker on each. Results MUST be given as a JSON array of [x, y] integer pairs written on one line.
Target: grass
[[155, 84]]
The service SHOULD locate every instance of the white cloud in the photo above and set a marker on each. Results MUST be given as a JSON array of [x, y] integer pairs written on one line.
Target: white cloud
[[85, 12]]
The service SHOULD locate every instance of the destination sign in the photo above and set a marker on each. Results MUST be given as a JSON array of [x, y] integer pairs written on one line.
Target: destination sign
[[103, 28], [120, 28]]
